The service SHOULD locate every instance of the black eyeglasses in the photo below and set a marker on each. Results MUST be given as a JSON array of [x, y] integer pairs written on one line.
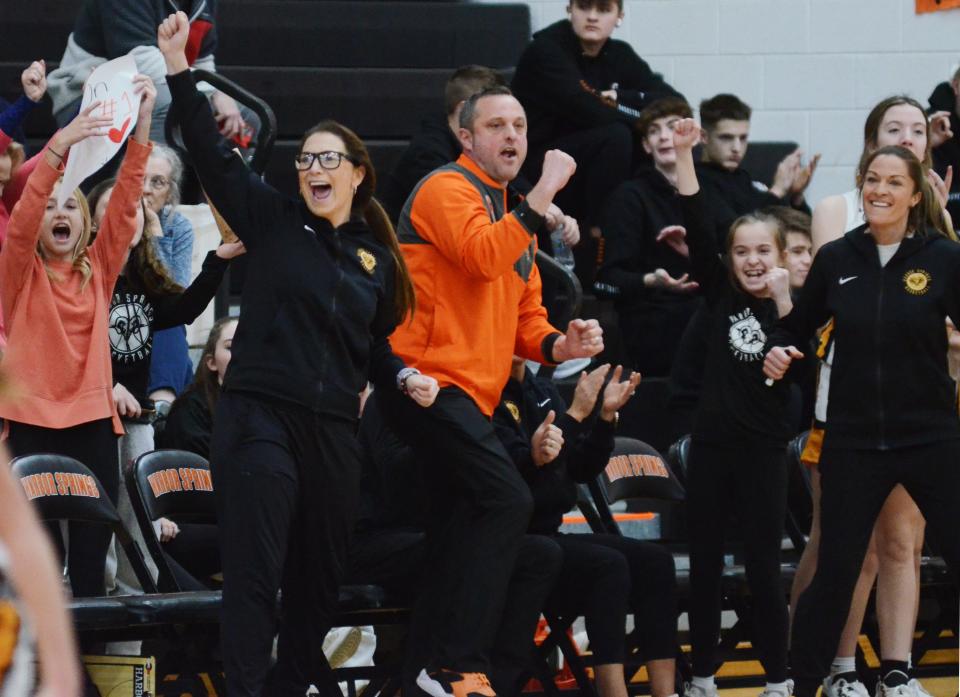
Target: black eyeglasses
[[328, 159]]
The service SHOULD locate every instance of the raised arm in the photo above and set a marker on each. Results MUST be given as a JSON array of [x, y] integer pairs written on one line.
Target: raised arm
[[120, 222], [248, 205], [183, 308], [707, 268]]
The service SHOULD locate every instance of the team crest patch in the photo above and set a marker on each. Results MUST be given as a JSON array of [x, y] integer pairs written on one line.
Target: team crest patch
[[917, 281], [746, 336], [367, 260], [514, 411]]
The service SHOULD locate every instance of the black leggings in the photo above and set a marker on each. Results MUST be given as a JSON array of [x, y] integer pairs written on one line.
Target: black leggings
[[95, 445], [750, 481], [286, 482], [854, 486], [605, 576]]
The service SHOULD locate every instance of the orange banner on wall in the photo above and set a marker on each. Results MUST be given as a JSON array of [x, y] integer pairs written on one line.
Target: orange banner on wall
[[934, 5]]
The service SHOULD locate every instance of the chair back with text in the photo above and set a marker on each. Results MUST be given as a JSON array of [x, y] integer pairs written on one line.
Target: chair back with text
[[64, 489], [173, 484], [636, 472]]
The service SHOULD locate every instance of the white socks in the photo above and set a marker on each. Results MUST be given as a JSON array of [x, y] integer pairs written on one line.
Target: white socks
[[843, 664], [706, 684], [780, 687]]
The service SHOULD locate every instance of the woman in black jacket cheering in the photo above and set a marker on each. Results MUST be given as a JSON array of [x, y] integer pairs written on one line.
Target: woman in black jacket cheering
[[889, 285], [325, 286]]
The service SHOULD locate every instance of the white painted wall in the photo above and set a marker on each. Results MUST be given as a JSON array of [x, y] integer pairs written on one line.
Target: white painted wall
[[810, 69]]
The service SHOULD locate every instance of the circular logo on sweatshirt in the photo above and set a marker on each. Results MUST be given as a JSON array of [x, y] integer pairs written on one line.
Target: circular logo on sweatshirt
[[746, 336], [917, 281], [129, 330], [514, 411], [367, 260]]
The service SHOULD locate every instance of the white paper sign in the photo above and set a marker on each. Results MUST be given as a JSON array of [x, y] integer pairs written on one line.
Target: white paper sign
[[111, 84]]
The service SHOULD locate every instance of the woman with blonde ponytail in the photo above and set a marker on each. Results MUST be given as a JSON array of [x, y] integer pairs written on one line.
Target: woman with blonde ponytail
[[55, 291], [324, 289]]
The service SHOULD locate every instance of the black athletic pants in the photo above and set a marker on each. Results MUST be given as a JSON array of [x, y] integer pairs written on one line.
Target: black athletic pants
[[854, 485], [750, 482], [95, 445], [286, 482], [395, 561], [604, 577], [481, 509]]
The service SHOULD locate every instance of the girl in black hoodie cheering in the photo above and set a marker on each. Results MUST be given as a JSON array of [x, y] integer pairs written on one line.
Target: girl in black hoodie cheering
[[737, 456], [889, 285], [325, 287]]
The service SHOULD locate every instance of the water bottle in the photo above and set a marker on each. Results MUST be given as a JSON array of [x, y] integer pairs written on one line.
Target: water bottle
[[562, 253]]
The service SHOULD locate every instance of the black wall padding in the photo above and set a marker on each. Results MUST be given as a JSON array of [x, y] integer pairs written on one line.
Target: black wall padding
[[370, 34], [374, 102]]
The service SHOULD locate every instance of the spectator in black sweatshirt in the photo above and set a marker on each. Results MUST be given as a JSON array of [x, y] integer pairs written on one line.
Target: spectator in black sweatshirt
[[436, 143], [583, 92], [730, 190], [324, 289], [945, 138], [645, 261], [145, 298], [603, 576], [190, 422], [737, 458]]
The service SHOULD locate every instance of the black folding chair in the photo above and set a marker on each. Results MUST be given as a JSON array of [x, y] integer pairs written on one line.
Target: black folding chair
[[635, 472]]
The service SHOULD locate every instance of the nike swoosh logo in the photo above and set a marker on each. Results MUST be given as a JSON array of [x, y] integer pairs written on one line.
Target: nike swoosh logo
[[307, 227], [846, 279], [540, 404]]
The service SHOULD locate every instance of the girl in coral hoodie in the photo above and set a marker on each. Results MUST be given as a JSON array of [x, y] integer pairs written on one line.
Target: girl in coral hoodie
[[55, 292]]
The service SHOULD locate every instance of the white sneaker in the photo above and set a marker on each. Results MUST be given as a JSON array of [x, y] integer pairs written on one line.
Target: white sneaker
[[919, 689], [779, 693], [841, 687], [691, 690], [908, 690]]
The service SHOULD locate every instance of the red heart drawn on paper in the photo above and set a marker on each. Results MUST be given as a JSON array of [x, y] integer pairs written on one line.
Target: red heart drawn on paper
[[117, 136]]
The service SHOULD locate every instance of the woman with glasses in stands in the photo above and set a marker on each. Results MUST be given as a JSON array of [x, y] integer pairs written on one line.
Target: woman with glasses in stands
[[325, 287], [171, 369]]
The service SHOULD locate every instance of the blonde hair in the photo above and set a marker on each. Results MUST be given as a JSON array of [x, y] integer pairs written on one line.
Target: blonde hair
[[79, 256]]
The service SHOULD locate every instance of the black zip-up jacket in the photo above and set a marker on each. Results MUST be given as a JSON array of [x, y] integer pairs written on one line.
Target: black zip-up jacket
[[559, 86], [889, 385], [135, 315], [943, 99], [318, 302], [732, 194], [632, 217], [736, 406], [586, 447]]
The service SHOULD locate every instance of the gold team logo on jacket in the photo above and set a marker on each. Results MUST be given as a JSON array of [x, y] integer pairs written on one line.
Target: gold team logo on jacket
[[514, 411], [917, 281], [367, 260]]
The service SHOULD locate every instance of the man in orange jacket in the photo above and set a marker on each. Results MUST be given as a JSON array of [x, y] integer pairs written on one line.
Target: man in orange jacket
[[469, 244]]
